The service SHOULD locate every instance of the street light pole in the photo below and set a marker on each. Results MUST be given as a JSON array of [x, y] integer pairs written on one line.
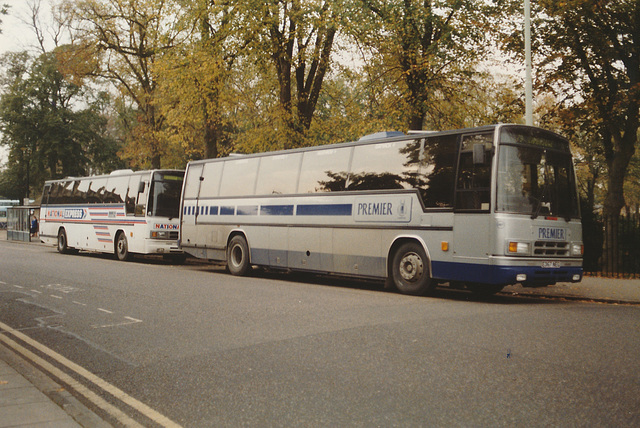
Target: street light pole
[[527, 58]]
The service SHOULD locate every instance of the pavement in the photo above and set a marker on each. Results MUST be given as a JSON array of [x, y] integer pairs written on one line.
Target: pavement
[[22, 404], [28, 398]]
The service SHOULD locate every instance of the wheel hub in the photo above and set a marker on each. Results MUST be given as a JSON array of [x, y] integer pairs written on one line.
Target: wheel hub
[[411, 267]]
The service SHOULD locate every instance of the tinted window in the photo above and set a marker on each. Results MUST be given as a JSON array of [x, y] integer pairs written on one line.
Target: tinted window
[[46, 192], [239, 177], [141, 202], [385, 166], [439, 171], [165, 194], [116, 189], [210, 185], [473, 191], [324, 170], [96, 190], [278, 174], [66, 193], [132, 193], [192, 184]]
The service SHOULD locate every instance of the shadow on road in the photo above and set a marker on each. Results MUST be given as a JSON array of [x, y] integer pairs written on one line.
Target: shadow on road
[[441, 292]]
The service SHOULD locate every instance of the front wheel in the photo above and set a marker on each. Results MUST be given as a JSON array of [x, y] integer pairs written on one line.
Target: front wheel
[[238, 256], [410, 270], [122, 247]]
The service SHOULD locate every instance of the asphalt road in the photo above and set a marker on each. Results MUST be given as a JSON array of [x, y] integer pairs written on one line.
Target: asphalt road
[[203, 348]]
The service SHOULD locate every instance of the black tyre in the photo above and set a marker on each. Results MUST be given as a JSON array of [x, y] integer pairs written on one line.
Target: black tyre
[[63, 247], [238, 256], [122, 247], [483, 290], [410, 270]]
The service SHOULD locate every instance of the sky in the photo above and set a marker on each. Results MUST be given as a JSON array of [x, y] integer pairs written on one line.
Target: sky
[[17, 35]]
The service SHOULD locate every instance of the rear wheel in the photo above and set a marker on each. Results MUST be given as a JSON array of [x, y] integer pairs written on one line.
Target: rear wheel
[[122, 247], [410, 270], [63, 247], [238, 256]]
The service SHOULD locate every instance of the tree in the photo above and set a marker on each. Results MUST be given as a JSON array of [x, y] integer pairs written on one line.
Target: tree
[[424, 46], [4, 9], [295, 38], [194, 81], [126, 38], [591, 55], [47, 134]]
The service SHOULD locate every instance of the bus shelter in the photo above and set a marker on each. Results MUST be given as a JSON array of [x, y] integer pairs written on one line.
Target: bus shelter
[[19, 223]]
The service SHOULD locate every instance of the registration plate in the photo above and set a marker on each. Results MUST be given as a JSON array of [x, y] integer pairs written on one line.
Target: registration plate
[[551, 265]]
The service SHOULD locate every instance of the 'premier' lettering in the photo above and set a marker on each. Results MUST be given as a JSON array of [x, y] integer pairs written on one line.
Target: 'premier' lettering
[[380, 208]]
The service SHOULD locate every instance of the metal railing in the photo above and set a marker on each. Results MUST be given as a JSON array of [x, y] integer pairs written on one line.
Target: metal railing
[[612, 246]]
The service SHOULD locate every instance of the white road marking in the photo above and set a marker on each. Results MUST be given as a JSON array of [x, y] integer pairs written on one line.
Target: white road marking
[[17, 286], [105, 311], [79, 303], [118, 324], [81, 371], [36, 291], [55, 297]]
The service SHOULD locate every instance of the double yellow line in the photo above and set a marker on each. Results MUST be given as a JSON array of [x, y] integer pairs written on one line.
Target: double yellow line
[[94, 398]]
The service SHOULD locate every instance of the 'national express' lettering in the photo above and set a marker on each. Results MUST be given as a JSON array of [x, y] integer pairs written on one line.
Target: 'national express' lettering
[[371, 208]]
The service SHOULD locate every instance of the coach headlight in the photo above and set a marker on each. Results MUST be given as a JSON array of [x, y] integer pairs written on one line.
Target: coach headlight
[[577, 249], [159, 234], [519, 248]]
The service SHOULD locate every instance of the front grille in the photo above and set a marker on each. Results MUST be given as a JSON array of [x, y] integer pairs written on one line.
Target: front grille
[[551, 248], [173, 235]]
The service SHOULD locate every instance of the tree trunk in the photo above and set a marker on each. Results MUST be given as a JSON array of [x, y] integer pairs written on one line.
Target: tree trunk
[[623, 148]]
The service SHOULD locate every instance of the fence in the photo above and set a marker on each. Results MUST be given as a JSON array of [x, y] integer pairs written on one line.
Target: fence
[[622, 236]]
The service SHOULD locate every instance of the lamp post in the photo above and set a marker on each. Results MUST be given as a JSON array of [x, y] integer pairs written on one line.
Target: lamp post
[[26, 155], [528, 110]]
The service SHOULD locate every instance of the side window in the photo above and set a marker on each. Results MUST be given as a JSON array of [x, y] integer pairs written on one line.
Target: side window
[[67, 193], [192, 181], [96, 191], [239, 177], [132, 194], [141, 196], [381, 166], [53, 194], [77, 196], [278, 174], [70, 193], [82, 191], [46, 193], [211, 175], [438, 174], [473, 186], [324, 170], [116, 189]]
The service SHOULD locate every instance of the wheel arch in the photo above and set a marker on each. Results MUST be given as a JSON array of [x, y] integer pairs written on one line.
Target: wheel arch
[[238, 232], [403, 239]]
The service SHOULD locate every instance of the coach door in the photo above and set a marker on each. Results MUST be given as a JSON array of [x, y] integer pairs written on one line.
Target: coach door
[[190, 202], [471, 231]]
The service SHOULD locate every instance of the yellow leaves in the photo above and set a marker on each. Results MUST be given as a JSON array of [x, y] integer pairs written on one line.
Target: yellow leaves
[[76, 62]]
